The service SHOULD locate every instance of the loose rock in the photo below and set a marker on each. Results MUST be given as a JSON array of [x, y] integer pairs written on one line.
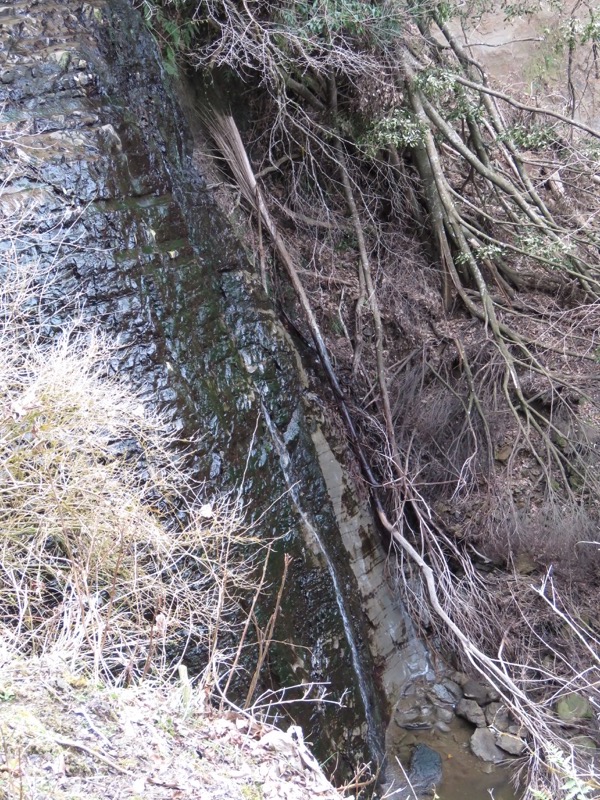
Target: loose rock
[[573, 707], [510, 744], [425, 768], [469, 710], [474, 690], [442, 694], [453, 687], [484, 746], [497, 716], [412, 712]]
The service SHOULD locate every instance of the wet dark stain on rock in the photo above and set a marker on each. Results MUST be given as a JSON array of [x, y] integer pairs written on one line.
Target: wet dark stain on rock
[[157, 267]]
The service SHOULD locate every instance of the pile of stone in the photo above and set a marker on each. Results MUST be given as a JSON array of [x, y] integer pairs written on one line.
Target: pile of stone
[[496, 737], [497, 734]]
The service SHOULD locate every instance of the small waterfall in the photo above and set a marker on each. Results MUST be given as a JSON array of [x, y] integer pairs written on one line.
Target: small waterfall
[[373, 735]]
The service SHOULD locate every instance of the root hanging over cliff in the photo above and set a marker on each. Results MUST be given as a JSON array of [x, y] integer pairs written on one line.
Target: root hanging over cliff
[[441, 238]]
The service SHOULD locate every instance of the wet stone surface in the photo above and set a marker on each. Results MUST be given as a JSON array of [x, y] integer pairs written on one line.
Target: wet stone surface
[[127, 227], [458, 740], [425, 768]]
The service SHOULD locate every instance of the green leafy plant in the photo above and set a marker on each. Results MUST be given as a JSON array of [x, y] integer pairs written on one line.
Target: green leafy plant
[[573, 785], [531, 138], [399, 129], [328, 19], [173, 26]]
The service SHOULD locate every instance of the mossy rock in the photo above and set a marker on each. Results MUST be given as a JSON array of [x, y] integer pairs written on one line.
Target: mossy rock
[[524, 564], [584, 744], [502, 454], [572, 707]]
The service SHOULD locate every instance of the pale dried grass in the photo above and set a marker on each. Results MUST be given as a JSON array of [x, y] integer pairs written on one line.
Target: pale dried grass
[[108, 552]]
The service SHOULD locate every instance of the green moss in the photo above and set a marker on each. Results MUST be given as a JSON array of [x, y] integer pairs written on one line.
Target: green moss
[[252, 792], [573, 707]]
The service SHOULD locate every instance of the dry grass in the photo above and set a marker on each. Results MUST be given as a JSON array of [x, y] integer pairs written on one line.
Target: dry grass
[[63, 737], [108, 552]]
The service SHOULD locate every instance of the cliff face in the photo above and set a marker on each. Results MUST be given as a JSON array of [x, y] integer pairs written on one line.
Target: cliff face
[[92, 138]]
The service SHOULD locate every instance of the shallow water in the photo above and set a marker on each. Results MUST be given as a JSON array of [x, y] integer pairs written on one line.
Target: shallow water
[[464, 775]]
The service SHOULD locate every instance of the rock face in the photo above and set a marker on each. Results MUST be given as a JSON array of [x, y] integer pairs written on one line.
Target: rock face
[[402, 657], [127, 226]]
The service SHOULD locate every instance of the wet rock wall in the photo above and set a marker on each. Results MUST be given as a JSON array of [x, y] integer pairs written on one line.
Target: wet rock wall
[[92, 136]]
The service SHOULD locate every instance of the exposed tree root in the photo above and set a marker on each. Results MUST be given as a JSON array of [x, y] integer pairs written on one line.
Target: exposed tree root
[[357, 147]]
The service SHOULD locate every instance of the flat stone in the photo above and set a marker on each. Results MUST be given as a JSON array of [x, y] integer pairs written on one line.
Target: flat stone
[[474, 690], [442, 694], [484, 746], [425, 768], [471, 711], [453, 687], [510, 744], [497, 716]]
